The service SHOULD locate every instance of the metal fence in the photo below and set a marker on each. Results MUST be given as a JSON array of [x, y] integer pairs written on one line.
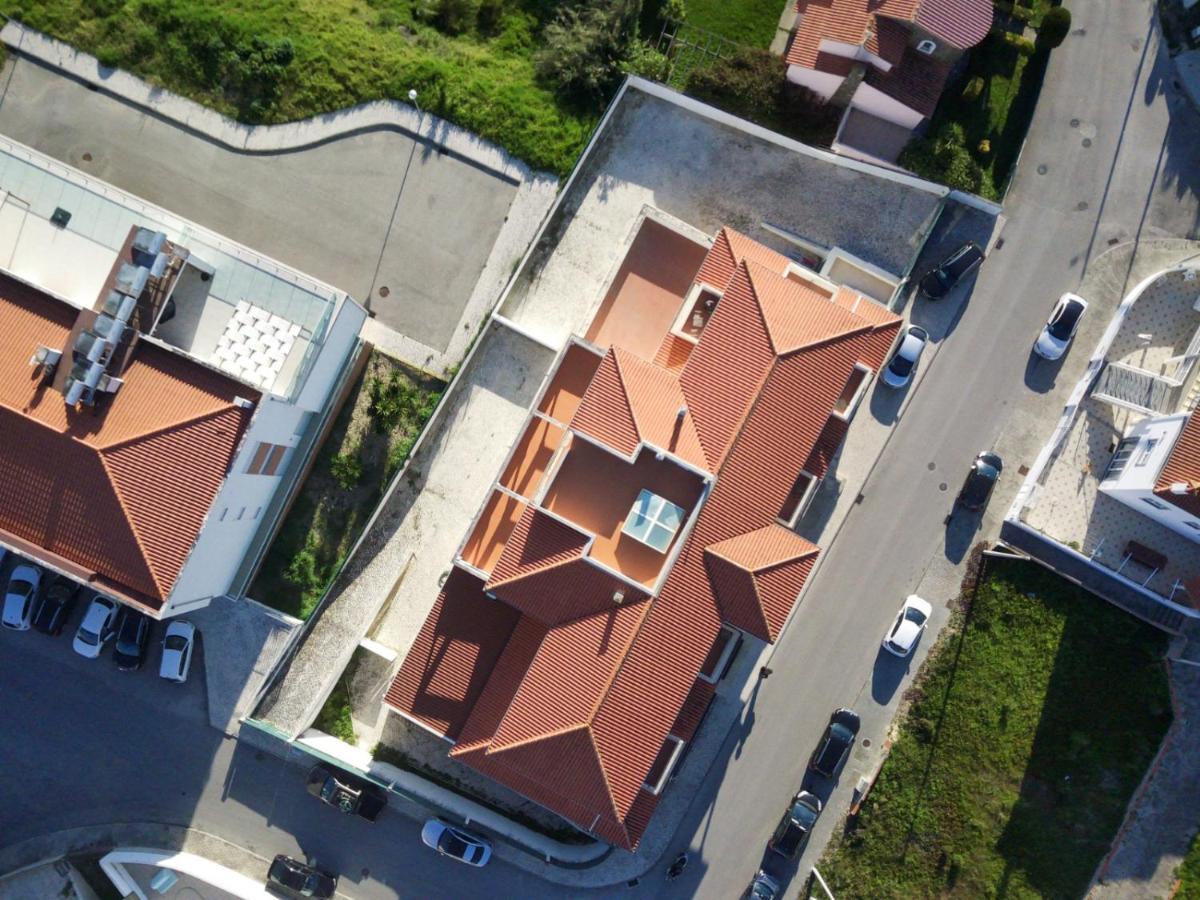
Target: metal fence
[[689, 47]]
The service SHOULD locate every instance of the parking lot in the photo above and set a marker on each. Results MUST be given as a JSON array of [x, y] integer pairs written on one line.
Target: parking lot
[[49, 658]]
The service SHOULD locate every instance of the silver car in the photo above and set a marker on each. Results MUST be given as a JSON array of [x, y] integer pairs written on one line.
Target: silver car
[[22, 587], [456, 843], [899, 369], [96, 627], [1056, 336], [178, 643]]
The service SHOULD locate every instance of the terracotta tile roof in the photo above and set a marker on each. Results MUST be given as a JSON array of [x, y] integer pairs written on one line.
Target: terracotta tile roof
[[453, 656], [879, 25], [827, 446], [758, 575], [694, 708], [631, 401], [543, 573], [916, 81], [1183, 465], [582, 736], [121, 489], [673, 352], [728, 249]]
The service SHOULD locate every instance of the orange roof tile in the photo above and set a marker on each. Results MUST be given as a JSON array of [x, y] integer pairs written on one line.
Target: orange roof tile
[[728, 249], [453, 656], [754, 574], [673, 352], [120, 489], [1183, 466]]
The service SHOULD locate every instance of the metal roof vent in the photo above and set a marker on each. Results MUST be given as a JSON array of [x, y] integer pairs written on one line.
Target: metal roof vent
[[1179, 488], [243, 403], [618, 597]]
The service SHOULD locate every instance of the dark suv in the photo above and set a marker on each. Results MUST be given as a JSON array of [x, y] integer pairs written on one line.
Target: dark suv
[[797, 822], [961, 263], [835, 744], [293, 878], [133, 634], [345, 792], [55, 605]]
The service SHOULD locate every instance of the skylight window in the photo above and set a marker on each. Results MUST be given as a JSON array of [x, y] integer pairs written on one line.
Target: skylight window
[[653, 521]]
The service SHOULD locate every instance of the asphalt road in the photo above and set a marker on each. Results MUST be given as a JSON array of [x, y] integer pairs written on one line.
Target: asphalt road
[[365, 212], [87, 749]]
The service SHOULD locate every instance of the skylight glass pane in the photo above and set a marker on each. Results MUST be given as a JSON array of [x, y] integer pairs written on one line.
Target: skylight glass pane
[[653, 520], [660, 538]]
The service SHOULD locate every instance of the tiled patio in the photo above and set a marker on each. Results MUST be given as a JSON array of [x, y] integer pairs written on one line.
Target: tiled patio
[[1157, 332]]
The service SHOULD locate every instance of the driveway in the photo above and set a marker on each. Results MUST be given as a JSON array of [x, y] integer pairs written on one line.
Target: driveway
[[403, 229]]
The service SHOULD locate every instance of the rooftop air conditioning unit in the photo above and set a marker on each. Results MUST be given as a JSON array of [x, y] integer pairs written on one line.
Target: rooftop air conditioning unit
[[45, 356]]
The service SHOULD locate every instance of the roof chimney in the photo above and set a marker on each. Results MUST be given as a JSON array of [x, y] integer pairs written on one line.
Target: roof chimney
[[1180, 488], [681, 412], [618, 597], [243, 402]]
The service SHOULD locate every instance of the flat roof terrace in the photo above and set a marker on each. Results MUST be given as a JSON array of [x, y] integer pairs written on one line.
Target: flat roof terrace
[[596, 490], [645, 296]]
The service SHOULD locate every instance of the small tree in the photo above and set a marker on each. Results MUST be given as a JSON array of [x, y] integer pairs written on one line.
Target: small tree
[[584, 48], [456, 16], [1055, 27]]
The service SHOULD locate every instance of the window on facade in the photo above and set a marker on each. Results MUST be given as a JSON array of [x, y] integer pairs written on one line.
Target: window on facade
[[795, 502], [1157, 504], [653, 520], [720, 655], [266, 459], [926, 47], [855, 386], [1192, 524], [1117, 464], [660, 772]]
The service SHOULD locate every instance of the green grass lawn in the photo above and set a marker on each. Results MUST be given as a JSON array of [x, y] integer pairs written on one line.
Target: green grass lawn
[[1030, 727], [369, 441], [1189, 874], [228, 54], [748, 22]]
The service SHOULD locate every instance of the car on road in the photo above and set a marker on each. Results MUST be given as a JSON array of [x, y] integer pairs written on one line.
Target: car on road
[[763, 887], [19, 596], [345, 792], [836, 742], [958, 265], [133, 637], [96, 627], [1056, 336], [296, 879], [910, 622], [449, 840], [981, 478], [178, 643], [792, 832], [55, 605], [898, 371]]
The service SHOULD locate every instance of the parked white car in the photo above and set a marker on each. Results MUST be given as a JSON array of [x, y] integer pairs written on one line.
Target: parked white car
[[909, 624], [19, 595], [178, 643], [898, 371], [96, 627], [1056, 336], [456, 843]]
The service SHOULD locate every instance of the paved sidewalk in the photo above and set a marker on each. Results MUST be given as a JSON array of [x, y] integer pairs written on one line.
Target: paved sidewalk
[[417, 219], [1165, 812]]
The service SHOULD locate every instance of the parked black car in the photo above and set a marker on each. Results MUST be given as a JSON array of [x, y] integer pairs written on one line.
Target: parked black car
[[345, 792], [55, 605], [793, 829], [133, 636], [957, 266], [835, 744], [981, 478], [296, 879]]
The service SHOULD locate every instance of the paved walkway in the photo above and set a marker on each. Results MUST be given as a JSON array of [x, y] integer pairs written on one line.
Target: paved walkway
[[417, 219], [1165, 813]]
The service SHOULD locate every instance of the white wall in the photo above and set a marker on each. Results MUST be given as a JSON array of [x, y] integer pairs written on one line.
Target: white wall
[[236, 514], [854, 51], [1134, 485], [873, 101], [821, 83]]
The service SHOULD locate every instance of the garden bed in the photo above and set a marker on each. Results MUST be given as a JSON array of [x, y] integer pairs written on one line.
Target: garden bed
[[1027, 733], [369, 442]]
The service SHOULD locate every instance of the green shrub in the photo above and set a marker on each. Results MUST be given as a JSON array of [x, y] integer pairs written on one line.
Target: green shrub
[[397, 400], [1055, 27], [673, 11], [749, 85], [347, 468], [584, 48], [456, 16], [646, 61], [973, 89], [944, 157], [1022, 44], [489, 16]]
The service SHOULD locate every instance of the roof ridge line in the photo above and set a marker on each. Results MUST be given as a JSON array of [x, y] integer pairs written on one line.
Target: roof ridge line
[[182, 423], [637, 425], [133, 528], [612, 800], [526, 741]]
